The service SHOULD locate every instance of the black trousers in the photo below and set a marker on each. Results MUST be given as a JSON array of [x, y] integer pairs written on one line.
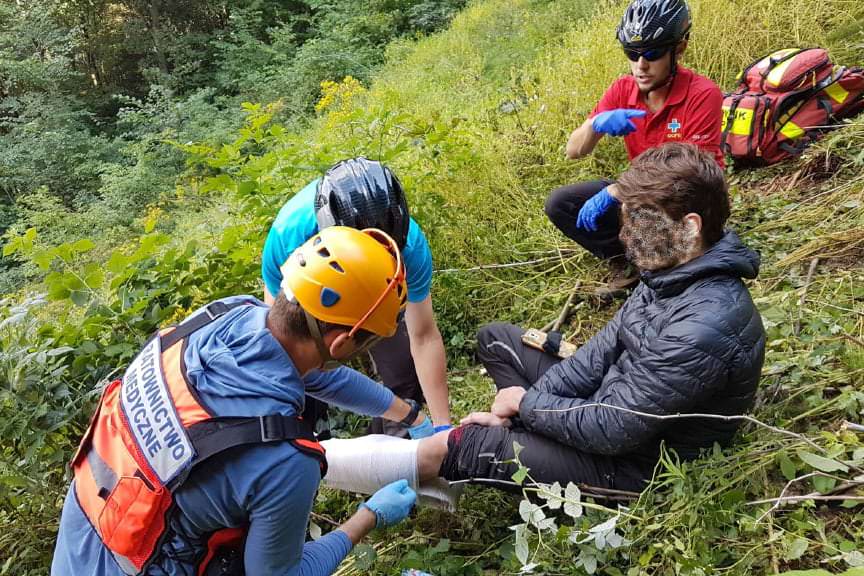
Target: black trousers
[[395, 368], [479, 452], [562, 208]]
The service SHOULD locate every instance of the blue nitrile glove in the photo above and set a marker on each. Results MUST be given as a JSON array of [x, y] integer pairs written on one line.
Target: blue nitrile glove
[[442, 427], [421, 430], [593, 209], [616, 122], [392, 503]]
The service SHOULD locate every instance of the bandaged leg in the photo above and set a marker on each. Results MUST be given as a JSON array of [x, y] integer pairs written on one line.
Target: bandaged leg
[[367, 463]]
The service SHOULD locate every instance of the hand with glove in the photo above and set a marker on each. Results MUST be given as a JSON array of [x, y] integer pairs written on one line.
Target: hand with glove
[[422, 430], [391, 504], [616, 122], [594, 208]]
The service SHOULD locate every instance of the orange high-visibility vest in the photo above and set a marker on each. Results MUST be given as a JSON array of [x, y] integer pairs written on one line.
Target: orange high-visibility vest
[[148, 433]]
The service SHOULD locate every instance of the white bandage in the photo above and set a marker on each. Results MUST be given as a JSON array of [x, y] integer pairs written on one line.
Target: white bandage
[[367, 463]]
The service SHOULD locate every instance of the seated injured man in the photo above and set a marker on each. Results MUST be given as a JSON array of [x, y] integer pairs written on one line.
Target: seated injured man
[[688, 340]]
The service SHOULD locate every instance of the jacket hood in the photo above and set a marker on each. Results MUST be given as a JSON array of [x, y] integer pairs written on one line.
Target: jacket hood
[[727, 257]]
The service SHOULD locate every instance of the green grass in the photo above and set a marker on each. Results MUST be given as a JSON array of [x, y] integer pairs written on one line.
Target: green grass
[[474, 122]]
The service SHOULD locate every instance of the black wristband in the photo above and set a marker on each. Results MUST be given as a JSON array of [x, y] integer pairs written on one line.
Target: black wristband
[[408, 421]]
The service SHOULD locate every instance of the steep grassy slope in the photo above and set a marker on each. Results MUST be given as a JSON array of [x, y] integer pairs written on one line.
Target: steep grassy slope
[[474, 121]]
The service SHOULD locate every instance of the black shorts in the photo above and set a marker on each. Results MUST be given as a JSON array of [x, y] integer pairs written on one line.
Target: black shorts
[[481, 452]]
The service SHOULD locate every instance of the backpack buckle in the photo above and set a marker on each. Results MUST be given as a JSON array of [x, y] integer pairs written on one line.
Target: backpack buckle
[[270, 431]]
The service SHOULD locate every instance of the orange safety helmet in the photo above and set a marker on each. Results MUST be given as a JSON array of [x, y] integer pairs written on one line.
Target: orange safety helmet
[[349, 277]]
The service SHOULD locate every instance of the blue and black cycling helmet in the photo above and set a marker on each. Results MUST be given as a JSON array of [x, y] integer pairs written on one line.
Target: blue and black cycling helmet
[[654, 23], [362, 193]]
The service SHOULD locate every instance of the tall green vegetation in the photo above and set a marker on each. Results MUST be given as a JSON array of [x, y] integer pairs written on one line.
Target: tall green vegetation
[[473, 120], [92, 91]]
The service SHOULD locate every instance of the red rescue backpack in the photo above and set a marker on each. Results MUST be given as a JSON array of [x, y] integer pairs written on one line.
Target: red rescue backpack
[[147, 434], [785, 101]]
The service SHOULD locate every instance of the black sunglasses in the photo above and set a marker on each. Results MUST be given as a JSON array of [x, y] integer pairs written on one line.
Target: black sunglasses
[[650, 54]]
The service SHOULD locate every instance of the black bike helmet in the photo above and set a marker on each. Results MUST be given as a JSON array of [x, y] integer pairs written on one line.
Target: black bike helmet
[[652, 23], [362, 193]]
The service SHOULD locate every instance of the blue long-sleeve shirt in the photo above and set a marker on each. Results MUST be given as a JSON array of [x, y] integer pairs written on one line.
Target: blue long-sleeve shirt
[[239, 369]]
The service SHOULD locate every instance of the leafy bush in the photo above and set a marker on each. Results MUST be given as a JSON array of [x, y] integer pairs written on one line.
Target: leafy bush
[[38, 413], [473, 120]]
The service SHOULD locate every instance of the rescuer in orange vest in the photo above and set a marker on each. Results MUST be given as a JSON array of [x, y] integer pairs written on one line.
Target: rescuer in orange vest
[[197, 462]]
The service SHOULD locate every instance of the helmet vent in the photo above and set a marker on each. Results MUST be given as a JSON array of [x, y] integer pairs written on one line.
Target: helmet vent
[[300, 258], [316, 241], [329, 297], [324, 253], [335, 265]]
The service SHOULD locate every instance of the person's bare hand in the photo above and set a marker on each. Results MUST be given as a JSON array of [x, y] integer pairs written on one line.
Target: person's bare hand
[[485, 419], [507, 401]]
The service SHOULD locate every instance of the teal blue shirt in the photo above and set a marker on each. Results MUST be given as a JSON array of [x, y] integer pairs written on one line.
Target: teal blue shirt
[[296, 223]]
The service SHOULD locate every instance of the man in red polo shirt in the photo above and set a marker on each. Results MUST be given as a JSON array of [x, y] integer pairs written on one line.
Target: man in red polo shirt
[[658, 102]]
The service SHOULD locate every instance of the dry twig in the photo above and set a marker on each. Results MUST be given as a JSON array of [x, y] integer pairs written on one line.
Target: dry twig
[[562, 317], [813, 263], [723, 417]]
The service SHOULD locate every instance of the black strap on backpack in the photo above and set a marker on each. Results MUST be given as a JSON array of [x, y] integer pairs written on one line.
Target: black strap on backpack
[[209, 313], [219, 434]]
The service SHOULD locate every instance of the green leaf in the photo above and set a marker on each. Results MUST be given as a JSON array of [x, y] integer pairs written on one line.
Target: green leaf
[[117, 262], [72, 281], [520, 474], [553, 496], [517, 448], [83, 245], [823, 484], [787, 467], [94, 275], [12, 246], [364, 557], [572, 500], [149, 226], [442, 546], [43, 259], [797, 548], [821, 463], [79, 297], [521, 544]]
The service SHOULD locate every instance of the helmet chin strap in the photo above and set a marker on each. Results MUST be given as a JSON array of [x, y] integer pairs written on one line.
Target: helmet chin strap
[[673, 69], [327, 361]]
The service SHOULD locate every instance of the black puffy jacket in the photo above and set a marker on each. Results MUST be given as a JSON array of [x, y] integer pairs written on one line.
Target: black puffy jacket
[[688, 340]]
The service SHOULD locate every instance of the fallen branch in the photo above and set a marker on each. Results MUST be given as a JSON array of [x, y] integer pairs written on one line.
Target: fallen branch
[[830, 495], [608, 491], [806, 497], [834, 306], [813, 263], [496, 266], [586, 489], [852, 426], [777, 501], [853, 339], [324, 519], [843, 487], [723, 417], [556, 324]]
